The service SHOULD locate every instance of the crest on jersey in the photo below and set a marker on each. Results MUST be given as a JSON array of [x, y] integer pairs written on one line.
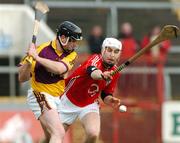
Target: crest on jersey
[[93, 89]]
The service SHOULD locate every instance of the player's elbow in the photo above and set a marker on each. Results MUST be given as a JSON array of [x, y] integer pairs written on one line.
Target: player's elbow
[[62, 70], [22, 79]]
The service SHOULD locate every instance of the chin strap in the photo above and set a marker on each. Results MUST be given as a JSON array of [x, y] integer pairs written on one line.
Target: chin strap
[[63, 44]]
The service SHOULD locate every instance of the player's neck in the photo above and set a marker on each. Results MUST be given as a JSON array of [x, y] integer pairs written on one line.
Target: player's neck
[[58, 46], [107, 66]]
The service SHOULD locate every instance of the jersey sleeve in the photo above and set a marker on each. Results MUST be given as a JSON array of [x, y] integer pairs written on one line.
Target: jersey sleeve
[[111, 86], [69, 60]]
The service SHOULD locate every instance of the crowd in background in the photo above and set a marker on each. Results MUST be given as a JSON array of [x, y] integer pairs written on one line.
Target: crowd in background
[[130, 44]]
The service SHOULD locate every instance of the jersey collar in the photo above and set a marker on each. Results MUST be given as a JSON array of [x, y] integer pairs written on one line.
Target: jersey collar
[[54, 46]]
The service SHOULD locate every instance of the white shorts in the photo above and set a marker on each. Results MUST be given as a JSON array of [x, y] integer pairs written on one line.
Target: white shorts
[[40, 101], [69, 112]]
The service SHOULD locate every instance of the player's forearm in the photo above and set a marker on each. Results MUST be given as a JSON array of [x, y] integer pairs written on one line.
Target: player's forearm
[[24, 72], [96, 75], [99, 75], [52, 66]]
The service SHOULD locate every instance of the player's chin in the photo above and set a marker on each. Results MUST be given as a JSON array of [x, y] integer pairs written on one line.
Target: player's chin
[[110, 62], [70, 50]]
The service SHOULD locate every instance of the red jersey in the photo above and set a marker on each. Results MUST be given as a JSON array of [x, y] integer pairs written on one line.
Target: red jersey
[[82, 90]]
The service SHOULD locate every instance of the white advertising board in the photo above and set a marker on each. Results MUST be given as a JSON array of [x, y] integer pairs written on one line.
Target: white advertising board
[[171, 122]]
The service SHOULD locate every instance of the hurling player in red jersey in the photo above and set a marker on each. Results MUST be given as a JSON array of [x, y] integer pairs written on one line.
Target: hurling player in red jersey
[[91, 80]]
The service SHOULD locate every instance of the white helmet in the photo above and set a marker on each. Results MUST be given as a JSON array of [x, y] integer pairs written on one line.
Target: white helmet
[[112, 42]]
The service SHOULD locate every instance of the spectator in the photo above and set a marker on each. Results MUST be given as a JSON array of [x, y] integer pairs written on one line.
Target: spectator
[[95, 40], [156, 56], [129, 49], [158, 52], [128, 41]]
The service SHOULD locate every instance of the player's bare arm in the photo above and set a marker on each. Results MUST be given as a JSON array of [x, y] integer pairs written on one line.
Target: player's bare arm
[[24, 72], [97, 74], [51, 66]]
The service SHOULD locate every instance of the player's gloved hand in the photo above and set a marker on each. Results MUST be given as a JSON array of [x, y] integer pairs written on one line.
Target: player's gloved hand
[[32, 51]]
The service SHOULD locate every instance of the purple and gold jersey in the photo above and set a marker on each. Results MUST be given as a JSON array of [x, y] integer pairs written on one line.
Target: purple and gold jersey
[[44, 81]]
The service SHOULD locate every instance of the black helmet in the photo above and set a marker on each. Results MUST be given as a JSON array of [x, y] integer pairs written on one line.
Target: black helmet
[[69, 30]]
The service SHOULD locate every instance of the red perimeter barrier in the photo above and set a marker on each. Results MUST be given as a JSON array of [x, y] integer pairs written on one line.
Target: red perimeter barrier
[[143, 94]]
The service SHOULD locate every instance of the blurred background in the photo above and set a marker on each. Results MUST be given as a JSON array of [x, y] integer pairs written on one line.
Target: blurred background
[[150, 87]]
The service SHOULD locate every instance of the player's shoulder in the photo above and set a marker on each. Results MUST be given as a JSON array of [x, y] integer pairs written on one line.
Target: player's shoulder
[[74, 54], [96, 57], [43, 45]]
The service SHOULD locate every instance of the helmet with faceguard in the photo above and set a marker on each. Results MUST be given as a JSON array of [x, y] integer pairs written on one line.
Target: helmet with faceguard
[[70, 30]]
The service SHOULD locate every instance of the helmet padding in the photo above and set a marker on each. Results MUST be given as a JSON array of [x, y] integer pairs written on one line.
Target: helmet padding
[[112, 42]]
